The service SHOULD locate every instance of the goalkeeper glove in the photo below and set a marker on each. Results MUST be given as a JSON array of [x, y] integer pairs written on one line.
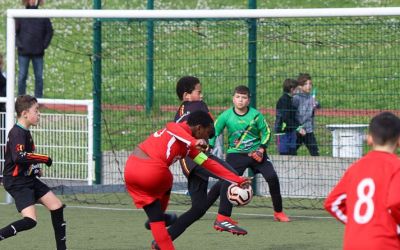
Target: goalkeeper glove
[[49, 162], [257, 155], [246, 182], [35, 170]]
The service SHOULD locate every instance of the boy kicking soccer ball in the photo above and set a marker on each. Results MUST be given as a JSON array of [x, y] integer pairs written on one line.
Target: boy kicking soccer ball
[[147, 175], [21, 174]]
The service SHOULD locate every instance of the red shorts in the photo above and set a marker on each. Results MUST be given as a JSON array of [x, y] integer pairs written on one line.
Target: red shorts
[[147, 180]]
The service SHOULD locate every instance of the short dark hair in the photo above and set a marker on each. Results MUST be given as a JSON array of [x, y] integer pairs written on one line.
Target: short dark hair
[[200, 118], [303, 78], [186, 84], [241, 89], [289, 84], [26, 2], [24, 102], [385, 128]]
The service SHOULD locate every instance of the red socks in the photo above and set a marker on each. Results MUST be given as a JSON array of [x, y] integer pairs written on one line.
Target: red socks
[[161, 235], [221, 217]]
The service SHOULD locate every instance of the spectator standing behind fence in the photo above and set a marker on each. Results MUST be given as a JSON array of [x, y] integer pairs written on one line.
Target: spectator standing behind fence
[[3, 85], [33, 36], [305, 105], [286, 123]]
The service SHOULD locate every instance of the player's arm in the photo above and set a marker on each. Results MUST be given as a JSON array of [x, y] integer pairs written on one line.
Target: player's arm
[[265, 131], [286, 114], [265, 137], [394, 197], [217, 169], [279, 123], [335, 203], [20, 156], [17, 27], [219, 126], [32, 158], [295, 101]]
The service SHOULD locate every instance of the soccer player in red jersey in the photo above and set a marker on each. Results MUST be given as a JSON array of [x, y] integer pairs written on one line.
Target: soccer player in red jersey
[[367, 198], [147, 175]]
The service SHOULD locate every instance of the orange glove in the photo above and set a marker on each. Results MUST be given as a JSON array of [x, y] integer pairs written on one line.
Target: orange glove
[[257, 155]]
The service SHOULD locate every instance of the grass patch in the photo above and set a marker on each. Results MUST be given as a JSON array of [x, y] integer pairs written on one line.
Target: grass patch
[[122, 228]]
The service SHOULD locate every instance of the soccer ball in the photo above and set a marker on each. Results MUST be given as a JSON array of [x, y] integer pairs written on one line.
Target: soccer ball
[[239, 196]]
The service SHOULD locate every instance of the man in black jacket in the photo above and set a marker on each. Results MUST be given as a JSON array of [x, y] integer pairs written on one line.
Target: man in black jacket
[[3, 84], [33, 37]]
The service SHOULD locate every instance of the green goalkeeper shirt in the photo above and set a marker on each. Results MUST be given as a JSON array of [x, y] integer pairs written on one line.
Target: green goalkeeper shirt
[[246, 132]]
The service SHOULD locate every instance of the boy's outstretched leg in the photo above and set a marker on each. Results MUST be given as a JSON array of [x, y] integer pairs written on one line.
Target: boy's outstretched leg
[[59, 226], [224, 222], [25, 223]]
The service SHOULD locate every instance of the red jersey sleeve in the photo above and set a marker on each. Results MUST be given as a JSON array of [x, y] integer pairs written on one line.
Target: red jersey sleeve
[[181, 131], [394, 197], [335, 203], [217, 169]]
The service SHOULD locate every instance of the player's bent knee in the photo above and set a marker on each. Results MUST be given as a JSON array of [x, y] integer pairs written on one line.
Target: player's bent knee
[[62, 206], [59, 210], [27, 223]]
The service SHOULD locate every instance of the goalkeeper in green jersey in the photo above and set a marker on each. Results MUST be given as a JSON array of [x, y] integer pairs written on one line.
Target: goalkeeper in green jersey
[[248, 137]]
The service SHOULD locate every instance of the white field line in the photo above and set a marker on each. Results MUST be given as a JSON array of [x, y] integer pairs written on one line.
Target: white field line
[[182, 211]]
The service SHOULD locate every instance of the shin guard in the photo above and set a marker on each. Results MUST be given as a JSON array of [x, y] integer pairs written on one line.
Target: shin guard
[[59, 226]]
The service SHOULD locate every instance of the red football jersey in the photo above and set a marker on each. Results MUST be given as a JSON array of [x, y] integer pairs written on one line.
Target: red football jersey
[[367, 200], [169, 144], [175, 142]]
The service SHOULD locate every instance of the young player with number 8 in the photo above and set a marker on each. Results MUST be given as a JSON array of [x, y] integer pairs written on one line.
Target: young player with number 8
[[367, 198]]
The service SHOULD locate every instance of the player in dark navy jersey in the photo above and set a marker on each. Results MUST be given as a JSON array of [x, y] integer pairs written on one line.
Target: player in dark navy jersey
[[21, 174], [188, 90]]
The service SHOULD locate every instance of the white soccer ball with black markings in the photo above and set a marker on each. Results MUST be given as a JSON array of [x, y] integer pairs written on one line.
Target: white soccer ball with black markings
[[239, 196]]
